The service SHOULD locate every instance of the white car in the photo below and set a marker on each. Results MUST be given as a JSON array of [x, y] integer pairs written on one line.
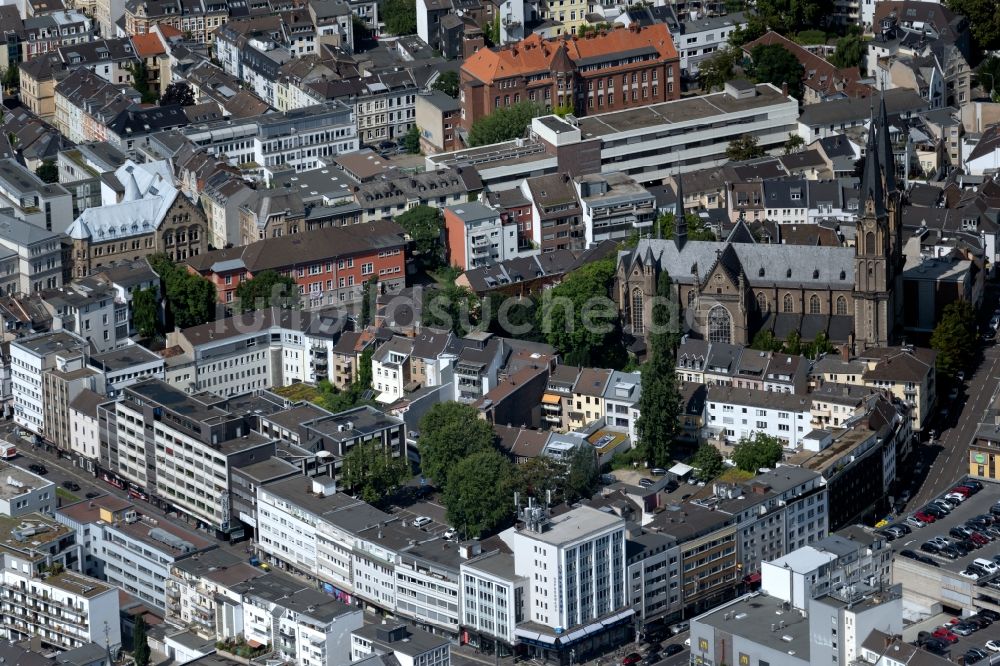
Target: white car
[[450, 533], [993, 646], [958, 497], [969, 574], [420, 521]]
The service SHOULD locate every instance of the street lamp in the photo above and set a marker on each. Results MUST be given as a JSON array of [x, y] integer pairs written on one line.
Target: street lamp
[[321, 454]]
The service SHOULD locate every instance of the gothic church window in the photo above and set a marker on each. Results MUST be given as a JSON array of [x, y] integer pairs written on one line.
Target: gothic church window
[[637, 300], [814, 304], [841, 305], [787, 304], [719, 325]]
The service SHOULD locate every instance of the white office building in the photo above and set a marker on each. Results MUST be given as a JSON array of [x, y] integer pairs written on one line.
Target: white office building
[[733, 413], [29, 358], [22, 492]]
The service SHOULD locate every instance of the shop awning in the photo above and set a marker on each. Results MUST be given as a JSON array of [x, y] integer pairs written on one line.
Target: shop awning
[[549, 399], [254, 644], [527, 635], [542, 638], [573, 636], [753, 578]]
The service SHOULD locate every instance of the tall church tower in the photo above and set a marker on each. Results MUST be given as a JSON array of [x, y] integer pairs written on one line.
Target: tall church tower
[[893, 204], [878, 244]]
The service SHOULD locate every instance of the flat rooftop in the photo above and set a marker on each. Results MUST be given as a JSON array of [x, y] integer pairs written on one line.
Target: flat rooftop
[[574, 525], [50, 343], [754, 618], [353, 423], [30, 532], [75, 583], [677, 111], [177, 543], [124, 358], [15, 481]]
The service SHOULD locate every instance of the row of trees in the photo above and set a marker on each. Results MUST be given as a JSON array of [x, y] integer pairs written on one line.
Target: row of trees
[[191, 299], [765, 340], [751, 454], [458, 454]]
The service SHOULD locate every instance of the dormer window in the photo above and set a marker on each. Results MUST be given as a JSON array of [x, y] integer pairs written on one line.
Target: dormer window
[[815, 274], [788, 273]]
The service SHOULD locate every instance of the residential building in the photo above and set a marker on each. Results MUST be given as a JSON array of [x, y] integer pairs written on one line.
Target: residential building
[[200, 586], [221, 199], [87, 308], [30, 357], [613, 206], [150, 217], [339, 433], [410, 647], [653, 575], [573, 73], [556, 215], [478, 235], [330, 265], [131, 551], [64, 611], [84, 438], [557, 402], [126, 365], [439, 117], [23, 493], [60, 386], [621, 402], [700, 36], [397, 192], [493, 600], [126, 279], [820, 121], [45, 205], [200, 19], [733, 414], [588, 397], [31, 259]]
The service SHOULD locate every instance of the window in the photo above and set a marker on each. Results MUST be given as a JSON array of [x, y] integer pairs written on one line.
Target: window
[[762, 301], [637, 302], [841, 305], [719, 325], [814, 304], [786, 305]]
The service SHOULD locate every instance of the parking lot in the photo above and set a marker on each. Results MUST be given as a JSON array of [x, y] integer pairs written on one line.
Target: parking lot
[[410, 506], [977, 639]]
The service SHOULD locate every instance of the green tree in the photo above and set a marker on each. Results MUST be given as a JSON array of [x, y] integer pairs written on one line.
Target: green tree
[[659, 402], [708, 461], [411, 140], [400, 16], [268, 289], [504, 124], [178, 92], [512, 317], [793, 344], [758, 451], [850, 52], [537, 477], [12, 78], [447, 82], [582, 474], [371, 471], [744, 148], [696, 227], [491, 31], [354, 395], [821, 345], [48, 172], [452, 308], [191, 299], [954, 338], [789, 16], [140, 643], [479, 496], [984, 21], [424, 225], [140, 81], [773, 63], [580, 321], [144, 315], [449, 432], [755, 29], [719, 68], [794, 143], [988, 77], [368, 295], [764, 340]]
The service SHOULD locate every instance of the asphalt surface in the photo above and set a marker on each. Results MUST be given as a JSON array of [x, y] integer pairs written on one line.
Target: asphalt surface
[[944, 461]]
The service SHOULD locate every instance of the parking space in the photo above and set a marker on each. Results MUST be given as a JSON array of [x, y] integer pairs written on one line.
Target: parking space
[[421, 511], [977, 639]]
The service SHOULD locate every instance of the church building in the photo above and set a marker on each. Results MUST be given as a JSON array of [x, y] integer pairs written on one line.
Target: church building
[[728, 291]]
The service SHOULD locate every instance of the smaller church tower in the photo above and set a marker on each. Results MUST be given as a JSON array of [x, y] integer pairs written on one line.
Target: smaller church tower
[[680, 221]]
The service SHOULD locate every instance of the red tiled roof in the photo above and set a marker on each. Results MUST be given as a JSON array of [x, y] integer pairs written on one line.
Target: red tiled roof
[[818, 73], [148, 44]]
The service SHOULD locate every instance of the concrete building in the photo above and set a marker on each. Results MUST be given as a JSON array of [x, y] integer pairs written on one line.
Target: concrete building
[[410, 647], [493, 601], [84, 438], [614, 206], [48, 206], [36, 253], [60, 386], [733, 413], [478, 235], [22, 492], [131, 551], [30, 357]]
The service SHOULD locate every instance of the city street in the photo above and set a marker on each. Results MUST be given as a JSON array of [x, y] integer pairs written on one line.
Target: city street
[[945, 460]]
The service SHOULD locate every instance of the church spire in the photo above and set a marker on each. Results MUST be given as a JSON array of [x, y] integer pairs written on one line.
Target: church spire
[[885, 156], [680, 221], [871, 178]]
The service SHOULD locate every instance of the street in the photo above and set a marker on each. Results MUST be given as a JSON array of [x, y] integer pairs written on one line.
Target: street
[[945, 460]]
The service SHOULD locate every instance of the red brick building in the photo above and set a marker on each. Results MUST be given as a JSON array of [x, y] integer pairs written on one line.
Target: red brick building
[[608, 71], [330, 265]]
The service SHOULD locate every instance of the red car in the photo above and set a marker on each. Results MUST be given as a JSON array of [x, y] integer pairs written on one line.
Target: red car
[[945, 635], [979, 539], [632, 659], [962, 490], [925, 517]]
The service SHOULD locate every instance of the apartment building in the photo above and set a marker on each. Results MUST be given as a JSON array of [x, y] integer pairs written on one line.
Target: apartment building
[[732, 413], [48, 206], [187, 462], [556, 215], [87, 308], [64, 611], [60, 386], [199, 18], [478, 235], [621, 402], [553, 552], [330, 265], [439, 117], [493, 600], [618, 69], [84, 437], [613, 206], [396, 192], [30, 357], [23, 493], [201, 587], [588, 397], [31, 259], [131, 551], [409, 647]]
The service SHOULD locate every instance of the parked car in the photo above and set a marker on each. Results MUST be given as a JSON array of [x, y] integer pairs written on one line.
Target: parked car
[[928, 561], [964, 629], [930, 547], [450, 533], [925, 517], [41, 470], [651, 658], [993, 645], [945, 635], [675, 648], [909, 553], [658, 471], [935, 645], [91, 494], [974, 485], [71, 485], [420, 521], [680, 628], [913, 521], [959, 532], [633, 658], [972, 656], [971, 575], [646, 483], [992, 614]]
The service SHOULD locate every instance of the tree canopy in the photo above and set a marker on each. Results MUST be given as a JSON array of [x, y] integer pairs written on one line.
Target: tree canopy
[[984, 21], [504, 123], [178, 92], [450, 432], [954, 338], [191, 299], [579, 319], [788, 16], [582, 473], [447, 82], [759, 451], [773, 63], [369, 292], [144, 315], [400, 16], [850, 52], [744, 148], [708, 461], [451, 307], [140, 81], [479, 496], [268, 289], [424, 225], [140, 642], [717, 69], [48, 172], [988, 77], [411, 140], [372, 473], [659, 402], [354, 395], [696, 227]]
